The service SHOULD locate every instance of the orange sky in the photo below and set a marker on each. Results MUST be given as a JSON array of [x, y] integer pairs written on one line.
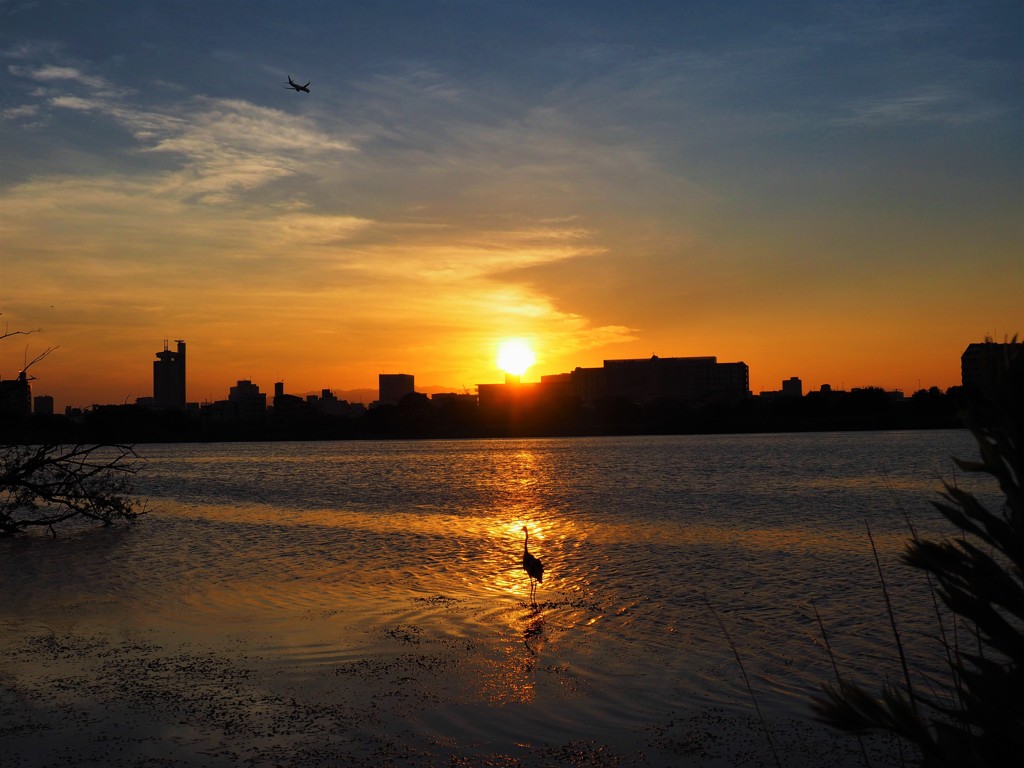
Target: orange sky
[[795, 193]]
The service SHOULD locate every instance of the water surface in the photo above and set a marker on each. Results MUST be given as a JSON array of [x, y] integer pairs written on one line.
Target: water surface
[[347, 603]]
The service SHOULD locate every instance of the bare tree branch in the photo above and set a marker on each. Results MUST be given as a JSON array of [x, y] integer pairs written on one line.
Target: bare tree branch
[[29, 363], [7, 332], [43, 485]]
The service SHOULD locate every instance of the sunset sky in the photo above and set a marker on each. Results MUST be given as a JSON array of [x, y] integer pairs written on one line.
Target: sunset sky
[[833, 191]]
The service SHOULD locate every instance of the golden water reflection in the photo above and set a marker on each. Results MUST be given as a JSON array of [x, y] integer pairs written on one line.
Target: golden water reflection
[[522, 479], [475, 556], [518, 482]]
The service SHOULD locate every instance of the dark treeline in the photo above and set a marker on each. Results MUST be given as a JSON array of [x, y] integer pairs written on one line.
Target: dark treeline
[[416, 416]]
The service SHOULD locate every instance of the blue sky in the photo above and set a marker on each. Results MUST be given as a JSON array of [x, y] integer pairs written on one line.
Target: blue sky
[[827, 190]]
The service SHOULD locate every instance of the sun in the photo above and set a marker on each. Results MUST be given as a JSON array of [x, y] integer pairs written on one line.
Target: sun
[[515, 356]]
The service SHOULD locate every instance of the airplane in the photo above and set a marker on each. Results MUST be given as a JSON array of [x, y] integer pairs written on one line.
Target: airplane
[[296, 86]]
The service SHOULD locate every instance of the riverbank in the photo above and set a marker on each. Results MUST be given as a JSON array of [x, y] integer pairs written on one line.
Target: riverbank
[[78, 697]]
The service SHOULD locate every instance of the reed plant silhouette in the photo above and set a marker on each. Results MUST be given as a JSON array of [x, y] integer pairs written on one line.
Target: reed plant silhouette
[[976, 716]]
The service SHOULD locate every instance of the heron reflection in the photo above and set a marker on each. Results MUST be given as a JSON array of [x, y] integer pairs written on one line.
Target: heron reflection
[[533, 630]]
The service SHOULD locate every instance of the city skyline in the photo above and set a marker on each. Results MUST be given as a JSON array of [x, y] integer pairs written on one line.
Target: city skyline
[[361, 392], [829, 192], [170, 366]]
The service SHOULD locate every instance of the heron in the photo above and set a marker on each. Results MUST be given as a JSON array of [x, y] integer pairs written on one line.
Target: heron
[[533, 567]]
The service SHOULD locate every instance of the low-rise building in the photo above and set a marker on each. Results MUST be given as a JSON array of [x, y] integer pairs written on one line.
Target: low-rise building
[[42, 405], [392, 387], [692, 380]]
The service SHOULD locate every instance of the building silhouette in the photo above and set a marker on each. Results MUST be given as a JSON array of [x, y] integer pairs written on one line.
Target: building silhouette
[[624, 396], [694, 381], [246, 400], [327, 403], [169, 378], [513, 393], [392, 387], [980, 362], [296, 407], [16, 398], [691, 380], [286, 405], [792, 387]]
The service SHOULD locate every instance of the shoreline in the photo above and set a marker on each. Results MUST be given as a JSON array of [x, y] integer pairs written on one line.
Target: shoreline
[[84, 437]]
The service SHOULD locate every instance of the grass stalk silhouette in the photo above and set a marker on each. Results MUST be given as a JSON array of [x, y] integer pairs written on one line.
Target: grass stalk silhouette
[[839, 677], [746, 680]]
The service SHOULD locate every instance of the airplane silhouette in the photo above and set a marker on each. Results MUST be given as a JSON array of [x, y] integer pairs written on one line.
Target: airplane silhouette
[[296, 86]]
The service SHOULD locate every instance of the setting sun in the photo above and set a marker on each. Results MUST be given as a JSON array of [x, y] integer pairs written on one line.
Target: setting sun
[[515, 356]]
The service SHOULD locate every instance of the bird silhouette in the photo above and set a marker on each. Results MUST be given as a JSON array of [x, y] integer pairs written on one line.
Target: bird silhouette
[[533, 567]]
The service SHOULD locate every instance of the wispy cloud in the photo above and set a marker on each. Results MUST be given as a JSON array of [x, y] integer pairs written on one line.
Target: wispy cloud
[[76, 103], [231, 146], [26, 111], [938, 105], [50, 73], [223, 147]]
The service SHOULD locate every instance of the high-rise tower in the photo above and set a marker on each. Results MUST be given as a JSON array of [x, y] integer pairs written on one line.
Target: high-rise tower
[[169, 377]]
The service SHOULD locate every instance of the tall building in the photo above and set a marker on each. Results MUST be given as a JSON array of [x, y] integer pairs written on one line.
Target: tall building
[[169, 377], [392, 387]]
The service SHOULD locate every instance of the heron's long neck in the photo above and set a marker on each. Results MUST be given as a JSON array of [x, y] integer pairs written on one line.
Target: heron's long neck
[[526, 542]]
